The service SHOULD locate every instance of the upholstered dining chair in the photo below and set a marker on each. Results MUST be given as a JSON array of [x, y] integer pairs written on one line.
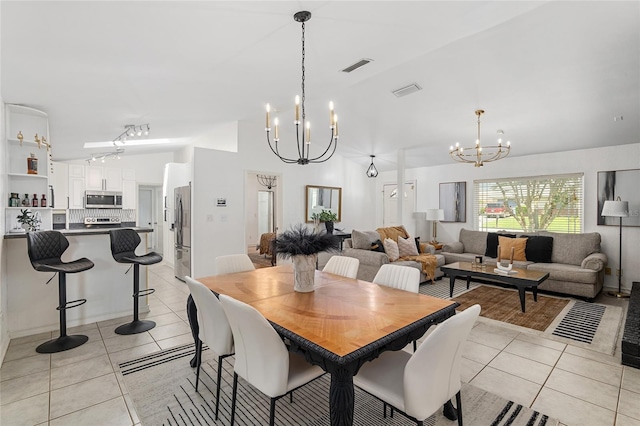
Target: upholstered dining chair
[[232, 263], [343, 265], [418, 384], [262, 358], [214, 329], [400, 277]]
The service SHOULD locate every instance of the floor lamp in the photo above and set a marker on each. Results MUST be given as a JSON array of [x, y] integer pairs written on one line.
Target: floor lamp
[[434, 215], [619, 209]]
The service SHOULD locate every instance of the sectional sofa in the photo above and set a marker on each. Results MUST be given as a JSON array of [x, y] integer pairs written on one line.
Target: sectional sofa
[[575, 263]]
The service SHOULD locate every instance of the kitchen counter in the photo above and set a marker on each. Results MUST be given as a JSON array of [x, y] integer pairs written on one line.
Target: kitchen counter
[[31, 303], [81, 231]]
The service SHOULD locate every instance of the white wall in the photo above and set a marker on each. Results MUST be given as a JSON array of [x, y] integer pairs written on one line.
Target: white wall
[[4, 333], [587, 161], [221, 230]]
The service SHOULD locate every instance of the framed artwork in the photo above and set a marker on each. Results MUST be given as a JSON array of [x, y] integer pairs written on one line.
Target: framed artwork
[[453, 200], [623, 184]]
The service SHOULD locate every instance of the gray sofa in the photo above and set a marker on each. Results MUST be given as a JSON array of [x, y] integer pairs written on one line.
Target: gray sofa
[[576, 268], [371, 261]]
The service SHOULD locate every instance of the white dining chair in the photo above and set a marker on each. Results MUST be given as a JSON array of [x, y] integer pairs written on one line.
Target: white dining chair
[[232, 263], [214, 330], [262, 359], [342, 265], [397, 276], [418, 384]]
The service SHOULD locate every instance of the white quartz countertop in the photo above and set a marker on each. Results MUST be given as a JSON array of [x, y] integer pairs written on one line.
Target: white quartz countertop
[[80, 232]]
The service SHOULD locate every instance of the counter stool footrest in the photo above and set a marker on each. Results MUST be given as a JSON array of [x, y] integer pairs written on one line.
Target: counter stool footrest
[[135, 327], [62, 343], [144, 292], [69, 305]]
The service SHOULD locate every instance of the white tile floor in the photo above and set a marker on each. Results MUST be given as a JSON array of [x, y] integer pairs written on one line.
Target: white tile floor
[[83, 386]]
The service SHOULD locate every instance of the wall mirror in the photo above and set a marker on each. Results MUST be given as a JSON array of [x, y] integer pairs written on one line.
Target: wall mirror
[[323, 198]]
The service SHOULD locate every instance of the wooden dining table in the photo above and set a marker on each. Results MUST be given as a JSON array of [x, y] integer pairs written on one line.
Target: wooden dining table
[[339, 326]]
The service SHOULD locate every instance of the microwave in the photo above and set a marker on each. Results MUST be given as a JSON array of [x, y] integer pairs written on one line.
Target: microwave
[[102, 200]]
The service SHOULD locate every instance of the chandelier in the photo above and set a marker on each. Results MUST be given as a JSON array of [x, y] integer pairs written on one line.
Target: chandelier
[[372, 171], [479, 155], [303, 127]]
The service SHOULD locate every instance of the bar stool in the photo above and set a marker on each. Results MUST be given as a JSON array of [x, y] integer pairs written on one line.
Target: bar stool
[[123, 247], [45, 249]]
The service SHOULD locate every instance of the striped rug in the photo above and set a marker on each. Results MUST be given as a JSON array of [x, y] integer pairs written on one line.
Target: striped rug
[[161, 386]]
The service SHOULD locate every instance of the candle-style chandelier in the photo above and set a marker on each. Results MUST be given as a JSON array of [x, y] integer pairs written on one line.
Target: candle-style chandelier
[[479, 155], [303, 134]]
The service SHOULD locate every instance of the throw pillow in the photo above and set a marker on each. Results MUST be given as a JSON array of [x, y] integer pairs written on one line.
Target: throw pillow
[[362, 240], [492, 243], [517, 244], [406, 247], [377, 246], [391, 248], [539, 248]]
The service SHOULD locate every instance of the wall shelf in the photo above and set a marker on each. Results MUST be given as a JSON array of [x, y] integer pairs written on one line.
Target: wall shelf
[[32, 208], [28, 176]]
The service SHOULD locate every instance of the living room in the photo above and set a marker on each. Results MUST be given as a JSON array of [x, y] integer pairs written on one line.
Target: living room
[[220, 161]]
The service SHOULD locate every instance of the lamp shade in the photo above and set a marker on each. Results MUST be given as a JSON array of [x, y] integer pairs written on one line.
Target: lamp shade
[[615, 208], [435, 214]]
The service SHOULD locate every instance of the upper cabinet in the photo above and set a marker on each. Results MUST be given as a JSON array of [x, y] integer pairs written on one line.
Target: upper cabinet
[[103, 178]]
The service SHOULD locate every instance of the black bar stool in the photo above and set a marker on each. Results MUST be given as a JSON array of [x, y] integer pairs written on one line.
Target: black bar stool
[[45, 250], [123, 247]]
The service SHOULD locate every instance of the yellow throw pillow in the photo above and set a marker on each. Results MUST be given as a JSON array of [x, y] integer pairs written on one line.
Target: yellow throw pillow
[[517, 244], [391, 248], [407, 247]]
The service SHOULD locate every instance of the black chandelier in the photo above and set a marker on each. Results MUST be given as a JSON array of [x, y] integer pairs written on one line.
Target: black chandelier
[[372, 171], [303, 135]]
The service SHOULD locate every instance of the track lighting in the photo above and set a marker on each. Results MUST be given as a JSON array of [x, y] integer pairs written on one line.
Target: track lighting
[[131, 131]]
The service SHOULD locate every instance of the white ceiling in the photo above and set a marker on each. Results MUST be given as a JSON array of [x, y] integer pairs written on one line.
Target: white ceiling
[[552, 75]]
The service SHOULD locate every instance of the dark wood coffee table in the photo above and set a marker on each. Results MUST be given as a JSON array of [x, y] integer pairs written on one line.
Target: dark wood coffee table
[[522, 279]]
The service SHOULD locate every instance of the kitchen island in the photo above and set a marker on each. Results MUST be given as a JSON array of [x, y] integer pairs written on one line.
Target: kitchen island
[[31, 303]]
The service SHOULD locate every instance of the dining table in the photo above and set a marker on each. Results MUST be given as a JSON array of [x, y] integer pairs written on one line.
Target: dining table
[[340, 325]]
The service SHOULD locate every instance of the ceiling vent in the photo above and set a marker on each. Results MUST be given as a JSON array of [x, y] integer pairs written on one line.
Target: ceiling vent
[[407, 90], [360, 63]]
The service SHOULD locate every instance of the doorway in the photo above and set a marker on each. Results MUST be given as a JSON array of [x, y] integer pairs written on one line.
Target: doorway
[[149, 214], [390, 204], [263, 206]]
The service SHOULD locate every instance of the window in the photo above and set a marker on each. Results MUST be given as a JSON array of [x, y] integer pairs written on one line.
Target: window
[[529, 204]]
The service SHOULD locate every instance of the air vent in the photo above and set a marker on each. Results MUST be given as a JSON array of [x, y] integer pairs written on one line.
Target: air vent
[[357, 65], [407, 90]]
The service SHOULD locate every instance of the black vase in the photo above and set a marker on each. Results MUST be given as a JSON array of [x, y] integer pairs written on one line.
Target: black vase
[[329, 226]]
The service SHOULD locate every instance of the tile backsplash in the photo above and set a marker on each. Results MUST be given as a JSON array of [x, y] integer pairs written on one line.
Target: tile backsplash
[[78, 215]]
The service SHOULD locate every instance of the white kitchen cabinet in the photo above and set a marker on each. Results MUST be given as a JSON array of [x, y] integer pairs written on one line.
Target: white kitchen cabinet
[[103, 178], [76, 192], [129, 194], [76, 170], [60, 182]]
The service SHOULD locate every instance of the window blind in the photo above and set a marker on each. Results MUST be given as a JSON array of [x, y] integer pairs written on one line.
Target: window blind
[[529, 204]]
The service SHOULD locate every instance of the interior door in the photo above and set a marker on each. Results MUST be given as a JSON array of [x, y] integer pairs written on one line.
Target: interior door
[[390, 204], [145, 215]]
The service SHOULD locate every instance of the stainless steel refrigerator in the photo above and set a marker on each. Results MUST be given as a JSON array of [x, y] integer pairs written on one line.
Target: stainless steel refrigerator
[[182, 232]]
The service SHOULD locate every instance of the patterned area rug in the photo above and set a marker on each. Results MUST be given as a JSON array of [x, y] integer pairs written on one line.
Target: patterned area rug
[[589, 325], [162, 388]]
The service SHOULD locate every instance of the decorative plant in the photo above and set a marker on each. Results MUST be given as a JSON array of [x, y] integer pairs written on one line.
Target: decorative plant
[[300, 240], [325, 216], [30, 220]]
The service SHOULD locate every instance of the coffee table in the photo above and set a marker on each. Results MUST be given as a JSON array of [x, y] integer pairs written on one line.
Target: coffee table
[[522, 278]]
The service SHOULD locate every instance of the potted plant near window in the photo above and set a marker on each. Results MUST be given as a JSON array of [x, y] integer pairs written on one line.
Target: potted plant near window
[[326, 216], [302, 245]]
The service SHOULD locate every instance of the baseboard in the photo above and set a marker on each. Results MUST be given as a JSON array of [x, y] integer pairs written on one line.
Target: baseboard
[[4, 338]]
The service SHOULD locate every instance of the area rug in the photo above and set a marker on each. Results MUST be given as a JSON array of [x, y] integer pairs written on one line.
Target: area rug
[[504, 305], [591, 326], [260, 260], [161, 386]]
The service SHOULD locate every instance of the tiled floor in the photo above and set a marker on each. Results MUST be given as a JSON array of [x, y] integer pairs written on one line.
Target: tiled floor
[[83, 386]]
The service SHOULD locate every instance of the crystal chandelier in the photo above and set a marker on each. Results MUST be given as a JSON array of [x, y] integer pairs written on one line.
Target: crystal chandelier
[[479, 155], [303, 133]]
